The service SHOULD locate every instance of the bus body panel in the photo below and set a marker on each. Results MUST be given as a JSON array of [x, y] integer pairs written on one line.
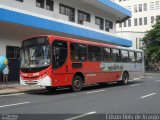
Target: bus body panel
[[94, 72]]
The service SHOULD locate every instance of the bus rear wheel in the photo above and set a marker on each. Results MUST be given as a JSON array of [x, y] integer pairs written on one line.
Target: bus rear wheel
[[77, 84], [125, 79]]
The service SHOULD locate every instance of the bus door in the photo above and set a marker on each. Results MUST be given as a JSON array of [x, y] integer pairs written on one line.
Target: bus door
[[59, 59]]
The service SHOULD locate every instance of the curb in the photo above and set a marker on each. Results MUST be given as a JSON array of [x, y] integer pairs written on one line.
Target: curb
[[152, 73], [23, 91]]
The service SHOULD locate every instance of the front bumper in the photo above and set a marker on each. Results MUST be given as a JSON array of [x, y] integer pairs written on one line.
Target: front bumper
[[46, 81]]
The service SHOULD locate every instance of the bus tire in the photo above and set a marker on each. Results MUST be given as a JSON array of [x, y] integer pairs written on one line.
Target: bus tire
[[51, 89], [125, 79], [77, 84]]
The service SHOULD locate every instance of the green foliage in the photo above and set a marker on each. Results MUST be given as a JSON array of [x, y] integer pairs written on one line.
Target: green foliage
[[151, 42]]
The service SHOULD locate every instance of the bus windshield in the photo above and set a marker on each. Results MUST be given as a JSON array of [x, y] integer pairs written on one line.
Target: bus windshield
[[35, 53]]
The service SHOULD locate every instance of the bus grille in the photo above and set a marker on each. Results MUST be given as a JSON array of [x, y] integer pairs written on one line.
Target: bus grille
[[31, 82]]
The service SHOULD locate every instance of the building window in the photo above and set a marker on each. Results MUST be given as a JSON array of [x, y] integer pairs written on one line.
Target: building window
[[100, 22], [129, 23], [136, 43], [125, 24], [140, 7], [140, 21], [135, 22], [157, 18], [135, 8], [108, 25], [40, 3], [129, 7], [152, 19], [152, 6], [145, 20], [12, 52], [140, 43], [49, 5], [83, 16], [19, 0], [68, 11], [145, 6], [120, 25], [157, 5]]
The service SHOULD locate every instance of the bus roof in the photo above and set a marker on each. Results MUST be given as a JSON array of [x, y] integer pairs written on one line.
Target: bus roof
[[95, 43], [86, 42]]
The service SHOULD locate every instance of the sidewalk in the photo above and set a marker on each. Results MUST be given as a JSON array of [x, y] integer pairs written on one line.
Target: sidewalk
[[15, 87]]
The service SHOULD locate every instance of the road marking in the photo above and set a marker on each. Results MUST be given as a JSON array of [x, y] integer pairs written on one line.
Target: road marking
[[14, 104], [80, 116], [148, 95], [137, 78], [135, 85], [96, 91], [12, 94], [157, 80]]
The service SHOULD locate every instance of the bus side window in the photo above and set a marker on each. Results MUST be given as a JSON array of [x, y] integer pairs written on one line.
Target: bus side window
[[116, 54], [78, 52], [106, 53], [139, 57], [125, 56], [94, 53], [132, 56]]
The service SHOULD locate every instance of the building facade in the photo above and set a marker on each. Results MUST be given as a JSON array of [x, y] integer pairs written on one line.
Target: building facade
[[144, 13], [93, 20]]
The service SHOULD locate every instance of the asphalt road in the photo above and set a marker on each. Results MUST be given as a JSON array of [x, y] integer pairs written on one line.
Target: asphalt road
[[140, 96]]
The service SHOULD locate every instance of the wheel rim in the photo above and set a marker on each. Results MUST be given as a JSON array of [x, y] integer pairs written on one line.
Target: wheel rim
[[77, 84], [125, 78]]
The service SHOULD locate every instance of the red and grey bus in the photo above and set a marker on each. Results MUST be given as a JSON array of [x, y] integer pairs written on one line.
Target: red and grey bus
[[54, 61]]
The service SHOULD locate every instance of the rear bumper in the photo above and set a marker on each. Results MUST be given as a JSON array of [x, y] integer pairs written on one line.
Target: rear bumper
[[46, 81]]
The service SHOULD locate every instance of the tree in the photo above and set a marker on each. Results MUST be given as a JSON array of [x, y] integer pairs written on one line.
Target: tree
[[151, 42]]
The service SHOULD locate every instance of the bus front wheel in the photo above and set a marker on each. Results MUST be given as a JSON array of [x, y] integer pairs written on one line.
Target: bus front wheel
[[77, 84]]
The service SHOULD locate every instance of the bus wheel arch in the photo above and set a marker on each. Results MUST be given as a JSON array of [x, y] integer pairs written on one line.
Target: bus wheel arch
[[125, 78], [80, 75], [77, 82]]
